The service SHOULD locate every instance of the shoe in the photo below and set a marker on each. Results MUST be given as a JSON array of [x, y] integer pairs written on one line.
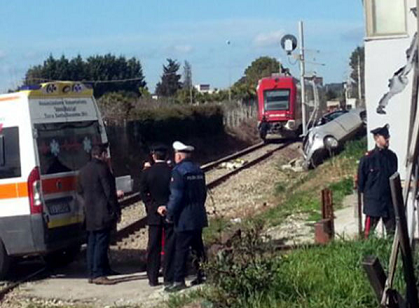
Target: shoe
[[111, 272], [153, 284], [175, 287], [90, 280], [103, 281], [168, 284], [198, 280]]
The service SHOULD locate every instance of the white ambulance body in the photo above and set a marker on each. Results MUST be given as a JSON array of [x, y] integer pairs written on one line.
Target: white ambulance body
[[46, 134]]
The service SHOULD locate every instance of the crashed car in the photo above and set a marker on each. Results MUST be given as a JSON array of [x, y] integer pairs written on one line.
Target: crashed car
[[330, 134]]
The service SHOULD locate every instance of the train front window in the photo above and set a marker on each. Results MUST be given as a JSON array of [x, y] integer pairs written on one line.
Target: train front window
[[277, 99]]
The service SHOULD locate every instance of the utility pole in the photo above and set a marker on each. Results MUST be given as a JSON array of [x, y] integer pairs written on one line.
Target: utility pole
[[229, 70], [191, 89], [302, 77], [359, 81]]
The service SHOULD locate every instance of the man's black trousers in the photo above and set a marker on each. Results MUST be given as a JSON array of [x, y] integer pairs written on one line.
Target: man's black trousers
[[97, 253], [155, 233], [185, 241]]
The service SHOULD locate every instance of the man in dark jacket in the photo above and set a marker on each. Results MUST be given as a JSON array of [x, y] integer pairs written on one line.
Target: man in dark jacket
[[154, 191], [374, 171], [96, 185], [186, 208]]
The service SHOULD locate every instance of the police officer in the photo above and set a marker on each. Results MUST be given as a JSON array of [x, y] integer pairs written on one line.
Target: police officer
[[154, 191], [374, 171], [186, 208]]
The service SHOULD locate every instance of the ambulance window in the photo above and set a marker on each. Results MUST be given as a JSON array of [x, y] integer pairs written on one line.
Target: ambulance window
[[9, 153], [65, 147]]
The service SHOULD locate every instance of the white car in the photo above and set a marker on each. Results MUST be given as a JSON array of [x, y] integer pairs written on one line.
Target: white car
[[330, 134]]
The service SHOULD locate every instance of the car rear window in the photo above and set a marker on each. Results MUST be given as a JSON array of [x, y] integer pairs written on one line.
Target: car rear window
[[9, 153], [276, 99], [65, 147]]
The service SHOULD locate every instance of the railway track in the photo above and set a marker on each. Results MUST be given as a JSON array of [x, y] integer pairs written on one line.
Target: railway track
[[264, 152]]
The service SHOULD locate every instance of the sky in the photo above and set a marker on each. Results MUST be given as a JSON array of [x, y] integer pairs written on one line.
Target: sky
[[192, 30]]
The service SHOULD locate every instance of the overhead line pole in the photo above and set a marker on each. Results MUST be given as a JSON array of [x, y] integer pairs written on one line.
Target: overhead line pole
[[303, 72]]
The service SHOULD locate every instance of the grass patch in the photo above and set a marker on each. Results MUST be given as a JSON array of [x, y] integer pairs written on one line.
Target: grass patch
[[328, 277], [280, 188], [323, 277], [307, 201], [301, 193]]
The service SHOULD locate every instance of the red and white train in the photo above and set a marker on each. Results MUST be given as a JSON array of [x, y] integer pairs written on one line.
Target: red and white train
[[279, 105]]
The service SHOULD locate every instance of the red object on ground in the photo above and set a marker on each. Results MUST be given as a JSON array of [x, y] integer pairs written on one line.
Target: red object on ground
[[323, 231]]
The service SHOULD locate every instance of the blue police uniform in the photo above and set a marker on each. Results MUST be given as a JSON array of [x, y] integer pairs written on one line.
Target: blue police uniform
[[186, 208]]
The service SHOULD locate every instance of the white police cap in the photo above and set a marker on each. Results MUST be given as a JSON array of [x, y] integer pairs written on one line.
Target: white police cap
[[180, 147]]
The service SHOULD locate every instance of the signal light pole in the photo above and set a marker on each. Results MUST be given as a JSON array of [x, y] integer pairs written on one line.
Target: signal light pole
[[289, 44], [302, 78]]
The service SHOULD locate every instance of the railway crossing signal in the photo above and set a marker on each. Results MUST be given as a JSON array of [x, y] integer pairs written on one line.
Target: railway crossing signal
[[289, 43]]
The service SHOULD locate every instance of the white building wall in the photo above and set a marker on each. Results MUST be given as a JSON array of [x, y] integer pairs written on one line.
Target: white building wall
[[383, 57]]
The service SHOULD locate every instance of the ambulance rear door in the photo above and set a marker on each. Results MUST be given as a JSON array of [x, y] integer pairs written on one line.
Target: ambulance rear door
[[66, 127]]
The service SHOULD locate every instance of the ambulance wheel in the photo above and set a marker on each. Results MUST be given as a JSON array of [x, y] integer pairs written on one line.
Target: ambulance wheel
[[5, 261], [63, 257]]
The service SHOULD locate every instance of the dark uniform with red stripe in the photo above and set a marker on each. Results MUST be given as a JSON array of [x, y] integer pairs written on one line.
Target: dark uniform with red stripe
[[374, 171], [155, 182]]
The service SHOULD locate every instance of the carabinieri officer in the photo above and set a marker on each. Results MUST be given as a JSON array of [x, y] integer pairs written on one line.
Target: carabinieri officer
[[374, 171]]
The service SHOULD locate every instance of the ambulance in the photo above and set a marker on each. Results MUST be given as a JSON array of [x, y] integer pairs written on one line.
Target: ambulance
[[46, 134]]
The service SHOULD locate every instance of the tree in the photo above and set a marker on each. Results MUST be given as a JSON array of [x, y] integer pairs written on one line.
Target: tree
[[357, 61], [106, 73], [116, 106], [187, 75], [262, 67], [170, 80]]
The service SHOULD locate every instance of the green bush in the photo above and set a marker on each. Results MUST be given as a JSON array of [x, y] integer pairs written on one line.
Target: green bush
[[179, 121], [244, 268]]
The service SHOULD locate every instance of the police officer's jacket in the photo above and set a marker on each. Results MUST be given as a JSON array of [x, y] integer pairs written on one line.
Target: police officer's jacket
[[186, 206], [374, 171]]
